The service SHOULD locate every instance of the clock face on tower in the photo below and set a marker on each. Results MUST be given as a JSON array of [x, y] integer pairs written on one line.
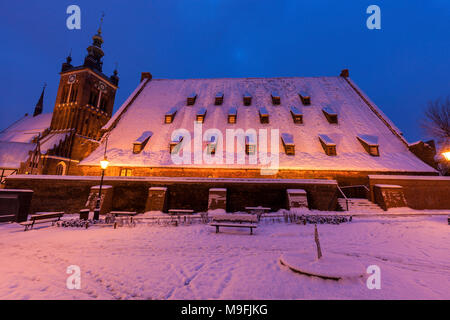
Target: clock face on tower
[[72, 78]]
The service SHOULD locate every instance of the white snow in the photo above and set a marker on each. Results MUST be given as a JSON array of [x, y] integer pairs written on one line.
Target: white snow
[[13, 153], [26, 128], [402, 177], [52, 140], [147, 111], [388, 186], [193, 262]]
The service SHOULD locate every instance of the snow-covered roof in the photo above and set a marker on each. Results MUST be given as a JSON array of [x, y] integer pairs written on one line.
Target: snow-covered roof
[[327, 140], [26, 128], [13, 153], [52, 140], [145, 110]]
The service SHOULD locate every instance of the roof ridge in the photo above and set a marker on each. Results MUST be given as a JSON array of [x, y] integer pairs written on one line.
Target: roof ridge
[[243, 78]]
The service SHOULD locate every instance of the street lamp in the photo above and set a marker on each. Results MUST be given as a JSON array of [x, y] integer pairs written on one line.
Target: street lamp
[[446, 155], [103, 164]]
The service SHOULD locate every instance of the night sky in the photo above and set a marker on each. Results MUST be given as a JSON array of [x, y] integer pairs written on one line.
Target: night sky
[[401, 67]]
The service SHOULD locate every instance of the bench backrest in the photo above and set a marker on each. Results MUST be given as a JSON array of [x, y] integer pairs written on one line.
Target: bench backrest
[[235, 218], [47, 215]]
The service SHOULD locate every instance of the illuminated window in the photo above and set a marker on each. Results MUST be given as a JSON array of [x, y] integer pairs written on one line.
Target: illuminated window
[[125, 172], [170, 115], [250, 145], [175, 144], [140, 142], [263, 115], [288, 143], [232, 115], [191, 99], [328, 145], [370, 144], [201, 114]]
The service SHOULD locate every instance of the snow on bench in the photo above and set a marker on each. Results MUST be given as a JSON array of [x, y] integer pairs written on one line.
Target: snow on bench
[[181, 211], [235, 220], [235, 225], [42, 217]]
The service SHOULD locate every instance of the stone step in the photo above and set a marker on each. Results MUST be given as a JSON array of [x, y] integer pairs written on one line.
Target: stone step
[[361, 205]]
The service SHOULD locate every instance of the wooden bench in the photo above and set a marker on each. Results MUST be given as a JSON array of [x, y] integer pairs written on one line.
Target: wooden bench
[[235, 220], [180, 211], [231, 224], [42, 218]]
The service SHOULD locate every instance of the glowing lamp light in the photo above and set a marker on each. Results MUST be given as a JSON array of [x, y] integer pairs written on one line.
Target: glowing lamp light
[[104, 164], [446, 155]]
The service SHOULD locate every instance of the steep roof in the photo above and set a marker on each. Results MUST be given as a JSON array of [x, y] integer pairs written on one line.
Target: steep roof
[[13, 153], [145, 109], [26, 128]]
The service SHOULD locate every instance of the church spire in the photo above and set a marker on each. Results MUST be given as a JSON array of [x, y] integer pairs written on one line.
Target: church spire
[[40, 104], [95, 52]]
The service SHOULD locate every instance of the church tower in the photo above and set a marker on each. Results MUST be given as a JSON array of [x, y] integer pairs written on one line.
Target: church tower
[[85, 98], [84, 104]]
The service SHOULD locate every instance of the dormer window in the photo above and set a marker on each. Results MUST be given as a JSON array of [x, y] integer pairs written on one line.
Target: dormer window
[[330, 114], [170, 115], [297, 116], [263, 115], [250, 145], [141, 142], [191, 99], [305, 98], [276, 100], [175, 144], [219, 99], [247, 99], [328, 145], [211, 145], [288, 143], [232, 115], [370, 144], [201, 114]]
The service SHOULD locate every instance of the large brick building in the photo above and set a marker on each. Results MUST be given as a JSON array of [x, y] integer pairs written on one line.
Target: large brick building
[[254, 136]]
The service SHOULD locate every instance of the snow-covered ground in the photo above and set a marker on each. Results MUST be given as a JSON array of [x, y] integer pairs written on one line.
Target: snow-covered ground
[[193, 262]]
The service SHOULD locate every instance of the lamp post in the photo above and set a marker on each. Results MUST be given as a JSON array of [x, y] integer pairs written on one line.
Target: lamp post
[[104, 165]]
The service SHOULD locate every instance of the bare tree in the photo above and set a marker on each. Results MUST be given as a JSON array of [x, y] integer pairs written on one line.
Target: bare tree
[[437, 119], [437, 125]]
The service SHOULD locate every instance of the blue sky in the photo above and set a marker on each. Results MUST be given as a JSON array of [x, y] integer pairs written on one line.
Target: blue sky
[[401, 66]]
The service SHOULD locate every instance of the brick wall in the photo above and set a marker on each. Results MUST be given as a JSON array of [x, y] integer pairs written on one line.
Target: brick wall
[[342, 177], [420, 192], [70, 193]]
